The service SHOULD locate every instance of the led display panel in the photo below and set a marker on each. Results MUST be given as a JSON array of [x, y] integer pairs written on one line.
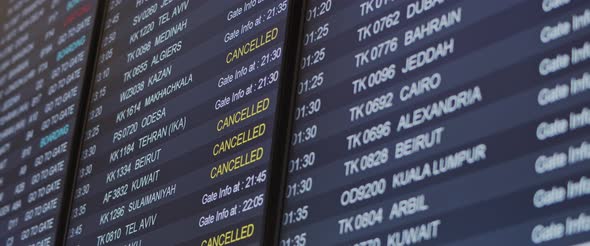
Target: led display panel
[[179, 133], [45, 51], [433, 122]]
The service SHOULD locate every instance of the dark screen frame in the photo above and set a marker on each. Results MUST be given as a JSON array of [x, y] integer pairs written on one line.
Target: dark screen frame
[[80, 124], [283, 124]]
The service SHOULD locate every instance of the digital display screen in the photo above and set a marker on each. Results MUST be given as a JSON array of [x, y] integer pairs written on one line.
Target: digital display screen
[[177, 142], [436, 122], [44, 54]]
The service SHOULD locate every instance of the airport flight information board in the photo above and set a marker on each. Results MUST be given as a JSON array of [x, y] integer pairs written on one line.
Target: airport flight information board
[[433, 122], [177, 142], [44, 55]]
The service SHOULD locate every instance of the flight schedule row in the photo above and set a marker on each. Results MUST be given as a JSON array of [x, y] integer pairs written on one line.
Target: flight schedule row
[[44, 55], [440, 122], [178, 136]]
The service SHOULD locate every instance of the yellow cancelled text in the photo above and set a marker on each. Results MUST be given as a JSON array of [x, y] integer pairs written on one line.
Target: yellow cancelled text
[[230, 237]]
